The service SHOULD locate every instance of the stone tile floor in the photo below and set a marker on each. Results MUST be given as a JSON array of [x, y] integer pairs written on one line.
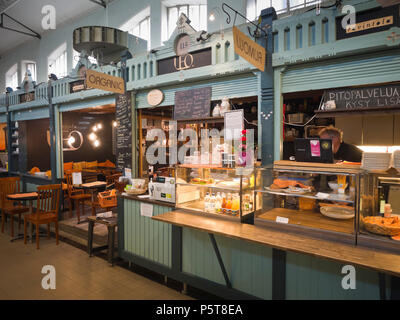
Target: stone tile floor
[[78, 277]]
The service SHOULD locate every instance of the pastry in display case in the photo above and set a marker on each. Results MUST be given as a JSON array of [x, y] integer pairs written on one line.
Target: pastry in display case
[[316, 198], [380, 217], [216, 190]]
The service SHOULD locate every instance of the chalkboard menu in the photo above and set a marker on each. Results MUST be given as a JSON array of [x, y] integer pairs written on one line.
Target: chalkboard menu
[[124, 131], [366, 98], [192, 104]]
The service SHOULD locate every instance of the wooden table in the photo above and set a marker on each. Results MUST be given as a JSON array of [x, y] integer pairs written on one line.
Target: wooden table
[[25, 196], [111, 224], [91, 187], [344, 253]]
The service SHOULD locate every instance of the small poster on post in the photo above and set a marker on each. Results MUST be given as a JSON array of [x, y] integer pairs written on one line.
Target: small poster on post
[[76, 178]]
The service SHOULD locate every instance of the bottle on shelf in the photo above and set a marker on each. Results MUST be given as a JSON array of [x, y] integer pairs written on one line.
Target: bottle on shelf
[[382, 201], [212, 203], [207, 202], [218, 203], [235, 204], [229, 204], [223, 204], [388, 210]]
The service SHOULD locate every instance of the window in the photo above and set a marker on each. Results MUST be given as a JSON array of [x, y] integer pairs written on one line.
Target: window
[[139, 25], [57, 61], [31, 66], [197, 15], [254, 7], [12, 77]]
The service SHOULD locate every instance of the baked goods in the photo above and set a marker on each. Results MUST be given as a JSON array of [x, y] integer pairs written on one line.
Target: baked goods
[[290, 185], [389, 226]]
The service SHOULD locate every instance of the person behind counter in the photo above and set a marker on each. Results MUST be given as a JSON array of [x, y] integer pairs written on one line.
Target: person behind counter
[[341, 150]]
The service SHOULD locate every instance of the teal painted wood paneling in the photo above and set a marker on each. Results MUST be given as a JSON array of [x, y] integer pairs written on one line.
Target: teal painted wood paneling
[[308, 277], [235, 86], [145, 237], [350, 71], [37, 113], [249, 266]]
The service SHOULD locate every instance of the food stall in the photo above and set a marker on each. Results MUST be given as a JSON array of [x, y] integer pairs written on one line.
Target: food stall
[[308, 217]]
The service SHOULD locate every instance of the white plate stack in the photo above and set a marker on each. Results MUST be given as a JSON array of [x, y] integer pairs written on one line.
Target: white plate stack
[[376, 160], [396, 159]]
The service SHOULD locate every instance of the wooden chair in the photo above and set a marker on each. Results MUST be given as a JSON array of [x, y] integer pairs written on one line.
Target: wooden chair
[[77, 196], [110, 180], [46, 212], [8, 186]]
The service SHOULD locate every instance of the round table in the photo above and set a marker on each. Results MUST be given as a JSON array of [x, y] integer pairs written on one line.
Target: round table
[[24, 196]]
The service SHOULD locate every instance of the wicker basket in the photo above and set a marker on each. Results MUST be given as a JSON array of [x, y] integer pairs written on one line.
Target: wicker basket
[[374, 225], [108, 199], [136, 191]]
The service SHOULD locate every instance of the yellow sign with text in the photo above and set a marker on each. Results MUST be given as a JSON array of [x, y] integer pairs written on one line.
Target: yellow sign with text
[[249, 49], [370, 24], [98, 80]]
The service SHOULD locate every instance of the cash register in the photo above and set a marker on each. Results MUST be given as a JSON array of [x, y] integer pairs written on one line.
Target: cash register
[[162, 189]]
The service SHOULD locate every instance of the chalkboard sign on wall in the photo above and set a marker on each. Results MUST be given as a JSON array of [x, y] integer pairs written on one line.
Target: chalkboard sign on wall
[[367, 98], [124, 131], [192, 104]]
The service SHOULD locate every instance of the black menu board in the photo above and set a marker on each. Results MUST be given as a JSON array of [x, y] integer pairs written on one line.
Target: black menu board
[[365, 98], [124, 131], [192, 104]]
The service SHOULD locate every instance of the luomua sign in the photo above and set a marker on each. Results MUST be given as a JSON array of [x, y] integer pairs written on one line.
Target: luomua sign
[[248, 49], [98, 80]]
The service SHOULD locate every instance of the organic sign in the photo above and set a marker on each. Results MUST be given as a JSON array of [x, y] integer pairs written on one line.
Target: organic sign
[[192, 104], [248, 49], [98, 80], [365, 98], [370, 21]]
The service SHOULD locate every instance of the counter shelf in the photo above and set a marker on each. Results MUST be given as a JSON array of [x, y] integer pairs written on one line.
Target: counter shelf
[[301, 210], [380, 186], [193, 182]]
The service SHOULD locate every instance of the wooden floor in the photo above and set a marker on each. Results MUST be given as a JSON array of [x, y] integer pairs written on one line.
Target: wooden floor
[[310, 219]]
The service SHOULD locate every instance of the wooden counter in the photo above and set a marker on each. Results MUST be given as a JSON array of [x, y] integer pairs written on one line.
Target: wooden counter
[[147, 200], [316, 166], [343, 253], [310, 219]]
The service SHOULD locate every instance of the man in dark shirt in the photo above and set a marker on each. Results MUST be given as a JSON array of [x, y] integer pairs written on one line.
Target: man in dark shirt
[[341, 150]]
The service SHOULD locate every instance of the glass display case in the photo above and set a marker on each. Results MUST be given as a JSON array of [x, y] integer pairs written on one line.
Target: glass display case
[[315, 198], [227, 192], [380, 218]]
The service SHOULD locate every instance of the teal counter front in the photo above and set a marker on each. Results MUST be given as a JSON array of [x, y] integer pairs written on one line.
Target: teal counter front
[[239, 261]]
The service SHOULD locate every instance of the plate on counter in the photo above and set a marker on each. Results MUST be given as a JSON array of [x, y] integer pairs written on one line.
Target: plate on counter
[[274, 190], [339, 212]]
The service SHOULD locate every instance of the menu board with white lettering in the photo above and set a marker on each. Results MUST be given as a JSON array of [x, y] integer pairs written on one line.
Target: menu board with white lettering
[[192, 104], [365, 98], [124, 131]]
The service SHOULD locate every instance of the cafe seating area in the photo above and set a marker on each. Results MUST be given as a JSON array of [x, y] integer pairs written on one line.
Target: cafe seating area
[[42, 212]]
